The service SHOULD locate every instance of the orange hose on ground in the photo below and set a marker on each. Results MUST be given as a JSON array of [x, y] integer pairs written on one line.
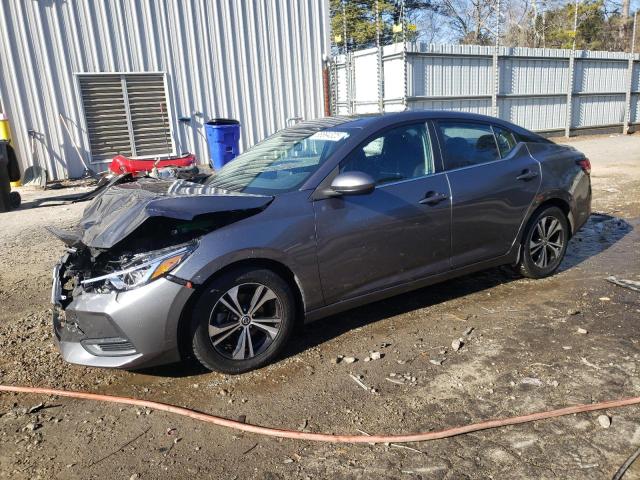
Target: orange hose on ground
[[325, 437]]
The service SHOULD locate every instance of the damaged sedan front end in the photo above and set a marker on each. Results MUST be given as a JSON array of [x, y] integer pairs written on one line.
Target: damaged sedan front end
[[116, 293], [99, 325]]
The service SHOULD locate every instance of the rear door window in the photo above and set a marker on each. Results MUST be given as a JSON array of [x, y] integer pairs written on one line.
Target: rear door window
[[466, 144], [505, 139]]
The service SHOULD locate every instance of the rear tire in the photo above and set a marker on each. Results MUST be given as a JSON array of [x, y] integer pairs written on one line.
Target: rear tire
[[242, 320], [544, 243]]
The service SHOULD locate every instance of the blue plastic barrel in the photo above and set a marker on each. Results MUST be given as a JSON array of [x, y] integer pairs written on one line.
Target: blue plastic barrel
[[223, 137]]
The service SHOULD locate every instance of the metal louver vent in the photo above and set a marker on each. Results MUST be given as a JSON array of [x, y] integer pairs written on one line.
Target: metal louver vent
[[106, 114], [126, 114], [148, 110]]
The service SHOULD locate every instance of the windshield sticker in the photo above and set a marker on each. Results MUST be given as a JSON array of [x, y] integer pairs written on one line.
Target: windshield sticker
[[329, 136]]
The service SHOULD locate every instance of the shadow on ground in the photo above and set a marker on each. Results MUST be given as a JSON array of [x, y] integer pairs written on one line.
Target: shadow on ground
[[597, 235]]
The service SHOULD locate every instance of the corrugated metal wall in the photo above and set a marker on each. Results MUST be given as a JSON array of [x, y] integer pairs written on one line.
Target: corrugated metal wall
[[258, 61], [530, 88]]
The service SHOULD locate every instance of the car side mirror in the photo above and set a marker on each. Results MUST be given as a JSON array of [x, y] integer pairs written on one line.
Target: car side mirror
[[352, 183]]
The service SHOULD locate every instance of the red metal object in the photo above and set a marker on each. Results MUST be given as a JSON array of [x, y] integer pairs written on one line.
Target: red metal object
[[121, 164], [326, 92]]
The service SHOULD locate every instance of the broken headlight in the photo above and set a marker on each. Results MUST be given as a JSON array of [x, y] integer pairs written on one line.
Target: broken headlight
[[144, 268]]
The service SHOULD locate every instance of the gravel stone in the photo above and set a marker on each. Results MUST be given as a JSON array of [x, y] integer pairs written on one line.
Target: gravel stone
[[604, 421], [32, 427], [531, 381]]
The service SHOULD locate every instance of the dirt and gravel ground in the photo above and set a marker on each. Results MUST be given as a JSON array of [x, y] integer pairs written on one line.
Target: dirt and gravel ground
[[522, 352]]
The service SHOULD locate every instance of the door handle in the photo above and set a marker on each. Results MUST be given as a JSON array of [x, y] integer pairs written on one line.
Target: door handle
[[433, 198], [527, 175]]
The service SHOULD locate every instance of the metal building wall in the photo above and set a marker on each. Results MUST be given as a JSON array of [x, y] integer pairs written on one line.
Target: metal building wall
[[259, 61], [532, 87]]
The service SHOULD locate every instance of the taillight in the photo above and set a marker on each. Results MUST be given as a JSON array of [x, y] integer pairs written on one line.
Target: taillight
[[585, 165]]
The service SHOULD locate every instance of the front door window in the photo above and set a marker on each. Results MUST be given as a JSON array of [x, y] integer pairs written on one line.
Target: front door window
[[401, 153]]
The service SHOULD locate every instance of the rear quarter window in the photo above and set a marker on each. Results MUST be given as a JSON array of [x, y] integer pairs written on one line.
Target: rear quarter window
[[505, 139]]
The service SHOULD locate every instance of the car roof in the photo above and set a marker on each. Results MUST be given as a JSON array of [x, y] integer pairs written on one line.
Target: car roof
[[369, 122], [381, 119]]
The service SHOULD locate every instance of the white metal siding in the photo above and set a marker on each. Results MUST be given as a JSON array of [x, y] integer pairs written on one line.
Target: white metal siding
[[597, 76], [393, 78], [533, 83], [533, 75], [537, 113], [258, 61], [441, 76], [481, 106], [635, 109], [598, 111], [342, 107], [364, 84]]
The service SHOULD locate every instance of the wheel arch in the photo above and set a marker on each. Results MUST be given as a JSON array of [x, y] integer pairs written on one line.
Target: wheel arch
[[551, 201], [556, 201], [184, 324]]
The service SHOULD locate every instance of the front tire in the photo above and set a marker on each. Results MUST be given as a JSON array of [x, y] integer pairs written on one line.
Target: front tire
[[544, 243], [242, 320]]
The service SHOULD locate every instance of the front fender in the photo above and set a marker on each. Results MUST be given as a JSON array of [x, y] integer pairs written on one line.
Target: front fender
[[282, 233]]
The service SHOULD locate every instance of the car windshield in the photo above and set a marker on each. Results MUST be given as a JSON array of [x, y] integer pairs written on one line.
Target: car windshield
[[283, 161]]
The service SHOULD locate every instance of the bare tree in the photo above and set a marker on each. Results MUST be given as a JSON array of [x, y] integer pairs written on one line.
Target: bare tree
[[520, 23], [472, 21], [431, 28]]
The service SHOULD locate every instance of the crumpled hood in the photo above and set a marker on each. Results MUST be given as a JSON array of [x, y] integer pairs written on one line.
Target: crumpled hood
[[121, 209]]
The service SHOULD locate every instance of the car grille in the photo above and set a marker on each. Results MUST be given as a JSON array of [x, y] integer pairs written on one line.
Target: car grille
[[116, 346], [109, 347]]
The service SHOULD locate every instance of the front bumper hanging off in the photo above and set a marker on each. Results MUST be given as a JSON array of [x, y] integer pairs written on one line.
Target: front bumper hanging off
[[131, 329]]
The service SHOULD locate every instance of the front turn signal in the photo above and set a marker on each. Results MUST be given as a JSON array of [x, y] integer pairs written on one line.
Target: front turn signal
[[166, 266]]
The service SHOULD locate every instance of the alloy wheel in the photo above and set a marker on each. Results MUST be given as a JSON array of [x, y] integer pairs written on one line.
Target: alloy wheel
[[245, 321], [547, 242]]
